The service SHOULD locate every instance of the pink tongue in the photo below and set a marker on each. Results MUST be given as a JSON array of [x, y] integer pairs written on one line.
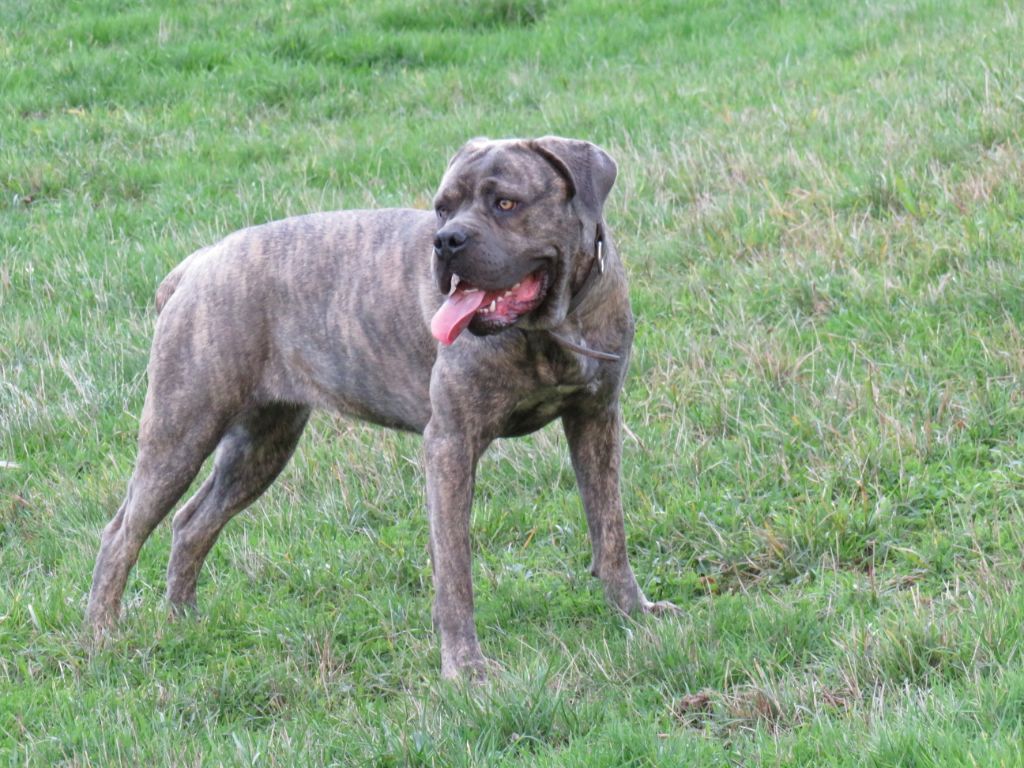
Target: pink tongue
[[454, 315]]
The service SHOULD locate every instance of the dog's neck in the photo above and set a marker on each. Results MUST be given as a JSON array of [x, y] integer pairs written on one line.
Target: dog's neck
[[594, 272]]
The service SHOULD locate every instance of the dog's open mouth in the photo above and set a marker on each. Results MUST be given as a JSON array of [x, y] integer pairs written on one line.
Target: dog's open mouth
[[488, 310]]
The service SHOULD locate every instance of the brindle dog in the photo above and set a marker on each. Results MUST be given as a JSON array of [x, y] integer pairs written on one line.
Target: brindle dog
[[363, 312]]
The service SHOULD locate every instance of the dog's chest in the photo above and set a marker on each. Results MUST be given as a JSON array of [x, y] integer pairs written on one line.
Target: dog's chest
[[559, 381], [540, 407]]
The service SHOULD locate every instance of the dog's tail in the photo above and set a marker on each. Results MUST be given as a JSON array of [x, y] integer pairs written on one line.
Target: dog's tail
[[170, 283]]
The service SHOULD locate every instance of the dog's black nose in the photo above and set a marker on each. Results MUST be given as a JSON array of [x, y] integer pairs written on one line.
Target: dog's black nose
[[450, 240]]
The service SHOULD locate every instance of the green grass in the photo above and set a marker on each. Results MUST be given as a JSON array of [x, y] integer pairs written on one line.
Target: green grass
[[821, 205]]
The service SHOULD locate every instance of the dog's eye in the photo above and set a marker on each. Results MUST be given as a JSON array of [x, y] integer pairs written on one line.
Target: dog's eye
[[504, 204], [442, 212]]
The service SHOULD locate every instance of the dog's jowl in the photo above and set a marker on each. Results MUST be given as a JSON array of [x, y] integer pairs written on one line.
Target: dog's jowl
[[502, 309]]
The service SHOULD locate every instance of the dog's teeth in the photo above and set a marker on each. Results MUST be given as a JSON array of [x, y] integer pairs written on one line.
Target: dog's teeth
[[455, 283], [493, 306]]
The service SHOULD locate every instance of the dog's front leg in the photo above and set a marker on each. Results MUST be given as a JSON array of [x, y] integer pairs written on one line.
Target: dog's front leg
[[450, 461], [596, 448]]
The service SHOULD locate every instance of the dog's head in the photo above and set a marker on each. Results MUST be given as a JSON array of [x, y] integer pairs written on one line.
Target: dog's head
[[517, 225]]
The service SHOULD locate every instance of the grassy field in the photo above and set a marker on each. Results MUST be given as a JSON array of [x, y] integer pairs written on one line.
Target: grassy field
[[821, 206]]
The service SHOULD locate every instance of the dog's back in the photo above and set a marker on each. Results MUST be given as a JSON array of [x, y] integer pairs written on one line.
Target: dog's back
[[170, 283]]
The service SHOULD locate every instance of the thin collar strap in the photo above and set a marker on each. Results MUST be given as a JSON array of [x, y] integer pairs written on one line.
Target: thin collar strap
[[579, 349]]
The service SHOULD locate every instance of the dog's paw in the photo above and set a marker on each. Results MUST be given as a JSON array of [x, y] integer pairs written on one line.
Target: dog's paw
[[184, 610], [661, 608], [475, 668], [100, 624]]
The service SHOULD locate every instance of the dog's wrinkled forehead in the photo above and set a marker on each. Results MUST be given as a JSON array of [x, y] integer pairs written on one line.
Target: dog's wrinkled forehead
[[511, 164]]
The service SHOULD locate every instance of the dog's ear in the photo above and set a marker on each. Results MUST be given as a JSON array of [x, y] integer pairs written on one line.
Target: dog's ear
[[589, 170]]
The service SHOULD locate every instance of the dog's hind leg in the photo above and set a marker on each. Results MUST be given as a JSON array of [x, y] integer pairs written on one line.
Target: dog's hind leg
[[250, 455], [171, 451]]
